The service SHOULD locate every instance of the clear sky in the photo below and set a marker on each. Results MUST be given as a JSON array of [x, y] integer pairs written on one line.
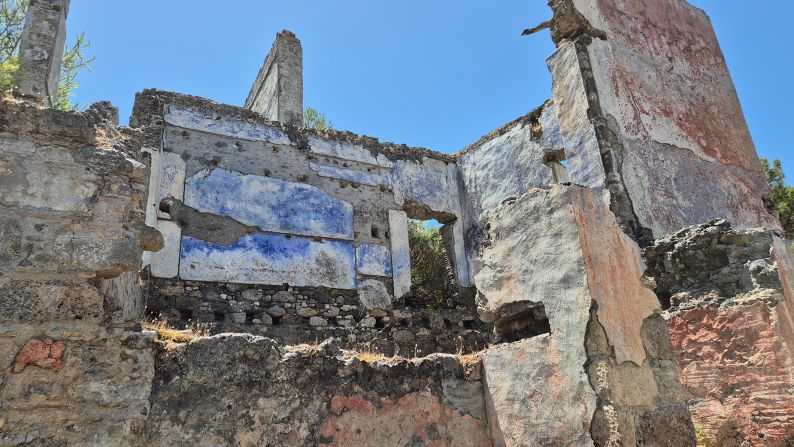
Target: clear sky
[[436, 74]]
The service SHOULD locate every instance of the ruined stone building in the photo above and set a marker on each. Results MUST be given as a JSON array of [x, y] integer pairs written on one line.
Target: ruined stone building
[[620, 276]]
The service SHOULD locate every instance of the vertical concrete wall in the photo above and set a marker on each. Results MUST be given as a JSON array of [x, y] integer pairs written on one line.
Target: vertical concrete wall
[[603, 372], [669, 130], [277, 92], [645, 98], [41, 49]]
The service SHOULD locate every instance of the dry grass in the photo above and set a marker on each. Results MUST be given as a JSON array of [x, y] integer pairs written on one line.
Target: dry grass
[[374, 357], [170, 334], [467, 360]]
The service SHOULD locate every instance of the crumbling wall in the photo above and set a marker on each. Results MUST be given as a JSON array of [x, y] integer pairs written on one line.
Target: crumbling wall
[[655, 103], [247, 390], [728, 316], [71, 228], [602, 369], [311, 227], [504, 165]]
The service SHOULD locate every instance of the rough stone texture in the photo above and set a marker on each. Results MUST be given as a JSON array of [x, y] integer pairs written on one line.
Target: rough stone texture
[[45, 353], [666, 116], [73, 232], [71, 193], [729, 321], [245, 390], [41, 50], [277, 92], [283, 313]]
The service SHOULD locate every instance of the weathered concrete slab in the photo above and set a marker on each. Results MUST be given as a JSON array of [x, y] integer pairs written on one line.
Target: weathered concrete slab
[[373, 260], [347, 151], [351, 175], [165, 263], [271, 259], [614, 275], [538, 389], [206, 121], [578, 136], [537, 395], [424, 183], [400, 254], [271, 204]]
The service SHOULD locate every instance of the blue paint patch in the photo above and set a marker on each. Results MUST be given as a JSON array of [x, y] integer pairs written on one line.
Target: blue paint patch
[[206, 122], [270, 259], [373, 260], [271, 204]]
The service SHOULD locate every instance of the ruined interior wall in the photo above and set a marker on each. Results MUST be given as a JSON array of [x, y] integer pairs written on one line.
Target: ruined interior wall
[[246, 390], [505, 164], [728, 319], [603, 371], [71, 193], [312, 228], [667, 116]]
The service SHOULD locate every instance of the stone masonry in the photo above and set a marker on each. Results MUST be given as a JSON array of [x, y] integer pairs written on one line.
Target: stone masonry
[[220, 275]]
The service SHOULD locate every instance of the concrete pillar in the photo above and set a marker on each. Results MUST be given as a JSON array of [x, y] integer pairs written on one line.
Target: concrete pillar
[[41, 49], [277, 92]]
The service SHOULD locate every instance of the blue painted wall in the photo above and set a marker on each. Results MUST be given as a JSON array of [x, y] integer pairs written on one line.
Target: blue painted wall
[[271, 204], [270, 259]]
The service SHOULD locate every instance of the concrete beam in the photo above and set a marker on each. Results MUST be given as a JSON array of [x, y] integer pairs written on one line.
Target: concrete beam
[[41, 50], [277, 92]]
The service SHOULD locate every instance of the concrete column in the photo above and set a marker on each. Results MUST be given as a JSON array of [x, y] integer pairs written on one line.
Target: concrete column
[[41, 49], [277, 92]]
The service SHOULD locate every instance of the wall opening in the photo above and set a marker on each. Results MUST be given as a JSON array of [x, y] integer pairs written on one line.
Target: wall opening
[[556, 161], [520, 320], [431, 284]]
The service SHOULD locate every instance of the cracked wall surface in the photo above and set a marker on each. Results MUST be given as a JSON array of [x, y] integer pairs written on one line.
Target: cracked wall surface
[[596, 376], [669, 127]]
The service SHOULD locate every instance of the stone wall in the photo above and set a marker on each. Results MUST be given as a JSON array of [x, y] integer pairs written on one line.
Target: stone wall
[[729, 317], [253, 392], [313, 225], [71, 225]]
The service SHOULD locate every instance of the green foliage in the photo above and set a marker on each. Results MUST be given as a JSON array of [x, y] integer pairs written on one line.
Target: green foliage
[[701, 437], [74, 60], [782, 195], [316, 120], [428, 264], [12, 15]]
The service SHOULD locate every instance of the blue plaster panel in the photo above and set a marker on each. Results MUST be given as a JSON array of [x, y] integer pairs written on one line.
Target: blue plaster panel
[[351, 175], [271, 204], [373, 260], [209, 122], [270, 259]]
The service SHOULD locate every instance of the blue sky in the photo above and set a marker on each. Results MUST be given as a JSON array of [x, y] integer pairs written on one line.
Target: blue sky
[[436, 74]]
